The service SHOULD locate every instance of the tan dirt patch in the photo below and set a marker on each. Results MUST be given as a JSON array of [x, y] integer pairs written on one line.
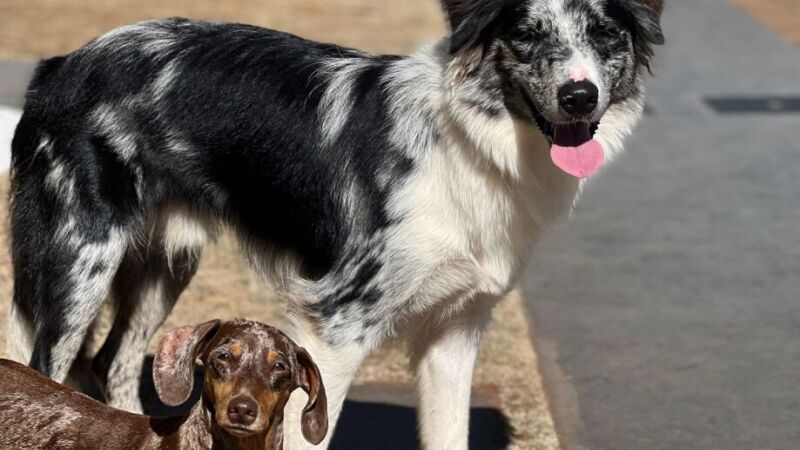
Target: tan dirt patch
[[782, 16], [35, 28]]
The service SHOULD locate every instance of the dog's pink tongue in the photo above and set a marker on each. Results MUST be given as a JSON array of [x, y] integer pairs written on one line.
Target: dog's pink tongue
[[575, 152], [581, 161]]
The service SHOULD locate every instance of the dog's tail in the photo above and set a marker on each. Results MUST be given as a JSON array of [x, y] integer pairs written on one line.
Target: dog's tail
[[19, 344]]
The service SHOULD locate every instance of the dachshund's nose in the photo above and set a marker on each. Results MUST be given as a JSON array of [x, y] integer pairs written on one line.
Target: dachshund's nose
[[242, 410], [578, 98]]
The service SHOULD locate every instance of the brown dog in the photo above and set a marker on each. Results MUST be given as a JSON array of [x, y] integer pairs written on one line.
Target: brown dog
[[250, 371]]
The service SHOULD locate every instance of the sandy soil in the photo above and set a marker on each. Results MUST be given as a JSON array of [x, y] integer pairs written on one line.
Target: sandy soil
[[375, 25], [783, 16]]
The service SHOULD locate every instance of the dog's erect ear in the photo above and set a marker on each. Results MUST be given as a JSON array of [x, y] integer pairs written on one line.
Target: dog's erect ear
[[315, 413], [643, 18], [173, 367], [471, 20]]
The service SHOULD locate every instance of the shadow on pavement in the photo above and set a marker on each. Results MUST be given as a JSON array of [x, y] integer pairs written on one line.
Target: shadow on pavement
[[365, 425]]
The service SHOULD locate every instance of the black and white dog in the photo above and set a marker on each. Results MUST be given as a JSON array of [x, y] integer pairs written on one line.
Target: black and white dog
[[383, 195]]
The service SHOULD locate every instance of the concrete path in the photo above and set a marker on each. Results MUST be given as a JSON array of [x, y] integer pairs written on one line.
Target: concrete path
[[8, 122], [14, 78], [668, 309]]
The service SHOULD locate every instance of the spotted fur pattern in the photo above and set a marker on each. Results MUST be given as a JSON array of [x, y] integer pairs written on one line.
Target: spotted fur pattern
[[381, 194], [246, 362]]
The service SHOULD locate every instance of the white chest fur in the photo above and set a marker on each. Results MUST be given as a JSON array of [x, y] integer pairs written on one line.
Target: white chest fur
[[480, 195], [475, 205]]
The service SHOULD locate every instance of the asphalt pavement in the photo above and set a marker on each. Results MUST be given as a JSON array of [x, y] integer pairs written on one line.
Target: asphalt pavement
[[667, 310]]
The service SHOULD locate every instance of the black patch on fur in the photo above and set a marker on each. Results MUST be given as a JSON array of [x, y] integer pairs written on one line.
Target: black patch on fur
[[473, 21], [114, 182], [97, 269], [356, 291]]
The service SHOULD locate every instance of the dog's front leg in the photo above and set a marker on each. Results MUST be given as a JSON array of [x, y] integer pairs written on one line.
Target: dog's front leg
[[337, 365], [443, 353]]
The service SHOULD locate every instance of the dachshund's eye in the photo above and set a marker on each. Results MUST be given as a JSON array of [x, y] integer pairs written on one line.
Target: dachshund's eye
[[224, 357], [280, 366]]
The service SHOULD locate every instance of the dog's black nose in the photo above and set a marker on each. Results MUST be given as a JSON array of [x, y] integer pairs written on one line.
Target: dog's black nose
[[578, 98], [242, 410]]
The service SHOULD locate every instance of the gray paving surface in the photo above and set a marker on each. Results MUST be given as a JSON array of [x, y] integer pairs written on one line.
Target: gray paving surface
[[670, 304], [14, 76]]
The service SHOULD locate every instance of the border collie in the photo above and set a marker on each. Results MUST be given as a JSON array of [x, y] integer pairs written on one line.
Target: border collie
[[383, 195]]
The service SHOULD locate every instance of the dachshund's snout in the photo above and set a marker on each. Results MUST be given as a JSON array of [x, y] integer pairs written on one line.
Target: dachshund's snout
[[242, 410]]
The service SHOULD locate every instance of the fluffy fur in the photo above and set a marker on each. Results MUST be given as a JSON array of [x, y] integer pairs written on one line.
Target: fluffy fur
[[384, 195]]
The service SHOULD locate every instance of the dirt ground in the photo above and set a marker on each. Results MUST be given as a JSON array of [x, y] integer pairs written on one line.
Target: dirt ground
[[225, 287], [375, 25], [782, 16]]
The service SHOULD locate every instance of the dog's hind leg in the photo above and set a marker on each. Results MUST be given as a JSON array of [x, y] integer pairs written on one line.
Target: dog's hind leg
[[146, 287], [72, 205], [145, 291], [19, 342], [73, 281], [443, 353]]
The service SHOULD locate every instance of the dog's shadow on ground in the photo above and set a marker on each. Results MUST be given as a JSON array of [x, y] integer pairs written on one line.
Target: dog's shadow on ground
[[363, 424]]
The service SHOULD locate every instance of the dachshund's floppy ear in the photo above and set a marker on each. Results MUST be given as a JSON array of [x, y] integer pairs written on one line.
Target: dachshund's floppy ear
[[643, 19], [173, 367], [315, 414], [471, 21]]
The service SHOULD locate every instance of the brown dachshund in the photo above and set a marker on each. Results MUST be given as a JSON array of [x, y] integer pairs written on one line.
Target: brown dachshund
[[250, 371]]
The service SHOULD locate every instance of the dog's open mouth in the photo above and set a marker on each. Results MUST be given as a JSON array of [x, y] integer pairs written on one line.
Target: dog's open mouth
[[572, 148]]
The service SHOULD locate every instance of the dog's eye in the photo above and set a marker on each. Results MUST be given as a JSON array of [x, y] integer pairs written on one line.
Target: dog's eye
[[520, 34], [224, 357], [612, 30], [528, 32], [605, 29], [279, 374]]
